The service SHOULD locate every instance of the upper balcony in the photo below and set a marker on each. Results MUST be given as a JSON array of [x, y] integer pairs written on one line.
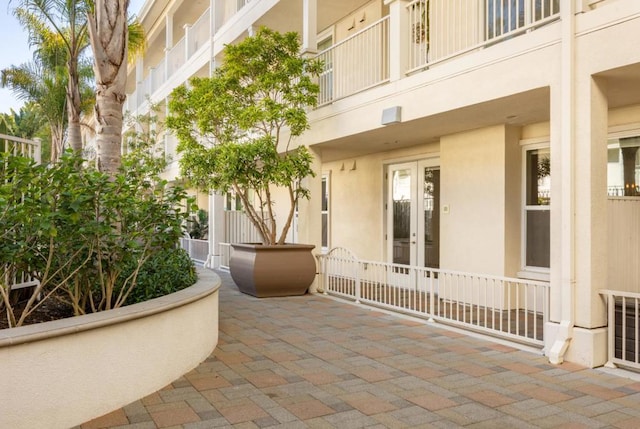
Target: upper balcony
[[362, 43]]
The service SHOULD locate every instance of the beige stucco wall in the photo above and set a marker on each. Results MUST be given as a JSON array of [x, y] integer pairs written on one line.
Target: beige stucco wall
[[64, 373], [474, 185]]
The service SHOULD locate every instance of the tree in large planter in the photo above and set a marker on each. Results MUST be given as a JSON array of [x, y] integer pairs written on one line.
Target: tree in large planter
[[235, 130]]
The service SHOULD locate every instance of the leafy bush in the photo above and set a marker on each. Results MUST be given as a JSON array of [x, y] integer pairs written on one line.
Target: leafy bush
[[165, 272], [79, 232]]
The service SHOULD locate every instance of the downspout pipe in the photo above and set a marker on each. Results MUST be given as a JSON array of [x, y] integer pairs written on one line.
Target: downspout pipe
[[567, 147]]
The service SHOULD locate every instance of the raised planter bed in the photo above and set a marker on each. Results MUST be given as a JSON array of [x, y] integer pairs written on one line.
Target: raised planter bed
[[62, 373]]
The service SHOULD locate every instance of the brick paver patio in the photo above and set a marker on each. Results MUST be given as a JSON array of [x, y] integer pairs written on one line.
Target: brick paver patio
[[315, 362]]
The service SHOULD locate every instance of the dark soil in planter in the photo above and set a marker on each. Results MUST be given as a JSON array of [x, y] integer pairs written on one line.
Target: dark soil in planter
[[51, 309]]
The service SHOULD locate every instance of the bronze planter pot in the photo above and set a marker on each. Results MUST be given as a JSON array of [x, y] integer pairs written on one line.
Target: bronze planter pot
[[268, 271]]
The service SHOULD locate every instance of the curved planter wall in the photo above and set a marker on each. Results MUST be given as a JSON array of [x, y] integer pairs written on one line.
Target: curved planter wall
[[64, 373]]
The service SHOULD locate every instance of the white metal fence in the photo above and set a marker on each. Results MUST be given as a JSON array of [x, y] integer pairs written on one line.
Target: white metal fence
[[237, 229], [158, 75], [200, 33], [19, 146], [507, 307], [176, 57], [356, 63], [226, 9], [441, 29], [198, 250], [623, 332]]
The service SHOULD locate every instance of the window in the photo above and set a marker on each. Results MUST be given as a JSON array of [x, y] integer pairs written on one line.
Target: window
[[232, 201], [325, 212], [537, 209], [623, 167]]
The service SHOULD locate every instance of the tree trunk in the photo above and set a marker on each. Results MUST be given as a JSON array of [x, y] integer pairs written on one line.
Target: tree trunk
[[73, 107], [57, 139], [108, 31]]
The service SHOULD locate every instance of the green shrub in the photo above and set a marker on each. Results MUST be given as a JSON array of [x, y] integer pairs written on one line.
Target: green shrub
[[165, 272]]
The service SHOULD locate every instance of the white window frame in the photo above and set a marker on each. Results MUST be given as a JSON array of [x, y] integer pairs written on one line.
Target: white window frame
[[530, 272], [326, 176]]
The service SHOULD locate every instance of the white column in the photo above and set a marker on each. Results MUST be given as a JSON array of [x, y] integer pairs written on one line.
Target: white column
[[187, 42], [168, 23], [398, 40], [168, 43], [310, 26], [310, 211], [139, 69], [216, 229], [563, 189]]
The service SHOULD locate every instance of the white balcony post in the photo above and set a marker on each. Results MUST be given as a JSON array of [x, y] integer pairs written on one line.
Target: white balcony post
[[37, 150], [309, 26], [310, 211], [187, 42], [169, 31], [398, 40], [216, 229]]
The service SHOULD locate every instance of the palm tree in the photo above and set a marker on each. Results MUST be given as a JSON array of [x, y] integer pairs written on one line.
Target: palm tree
[[111, 33], [65, 19]]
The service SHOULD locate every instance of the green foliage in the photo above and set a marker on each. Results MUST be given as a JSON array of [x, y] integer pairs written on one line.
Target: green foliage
[[263, 88], [198, 225], [81, 232], [165, 272]]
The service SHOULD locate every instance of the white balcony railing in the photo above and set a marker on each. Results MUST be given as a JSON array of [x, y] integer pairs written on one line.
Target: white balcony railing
[[237, 229], [623, 331], [23, 147], [226, 9], [176, 57], [158, 75], [512, 308], [356, 63], [437, 30], [198, 250], [199, 34], [441, 29]]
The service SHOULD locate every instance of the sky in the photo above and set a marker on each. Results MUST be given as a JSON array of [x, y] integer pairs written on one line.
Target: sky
[[14, 47]]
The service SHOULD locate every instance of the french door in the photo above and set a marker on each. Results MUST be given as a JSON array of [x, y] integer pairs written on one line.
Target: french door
[[413, 213]]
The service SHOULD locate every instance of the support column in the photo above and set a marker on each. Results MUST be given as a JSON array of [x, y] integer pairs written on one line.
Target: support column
[[216, 229], [310, 211], [398, 40], [168, 43], [591, 205], [309, 26], [563, 191]]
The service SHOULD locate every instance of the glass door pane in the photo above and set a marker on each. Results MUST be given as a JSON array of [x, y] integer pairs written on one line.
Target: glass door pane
[[401, 206], [431, 217]]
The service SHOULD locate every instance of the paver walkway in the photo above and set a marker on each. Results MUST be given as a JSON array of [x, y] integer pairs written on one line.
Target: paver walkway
[[315, 362]]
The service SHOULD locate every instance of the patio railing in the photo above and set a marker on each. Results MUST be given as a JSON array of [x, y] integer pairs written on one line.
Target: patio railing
[[356, 63], [199, 34], [19, 146], [512, 308], [198, 250], [623, 332], [226, 10], [437, 30], [441, 29]]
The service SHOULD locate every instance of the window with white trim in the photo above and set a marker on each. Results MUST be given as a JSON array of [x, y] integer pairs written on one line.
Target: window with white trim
[[537, 204], [325, 212]]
